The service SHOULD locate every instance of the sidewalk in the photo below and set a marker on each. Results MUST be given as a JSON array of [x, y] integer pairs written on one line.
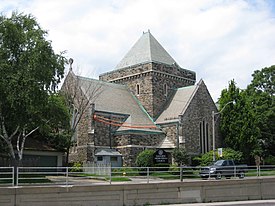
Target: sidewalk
[[235, 203]]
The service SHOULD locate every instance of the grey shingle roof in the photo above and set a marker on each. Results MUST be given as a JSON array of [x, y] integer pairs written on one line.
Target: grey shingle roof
[[177, 105], [115, 98], [146, 49], [107, 152]]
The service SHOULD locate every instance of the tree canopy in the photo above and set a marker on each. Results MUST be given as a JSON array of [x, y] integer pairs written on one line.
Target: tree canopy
[[248, 126], [30, 71]]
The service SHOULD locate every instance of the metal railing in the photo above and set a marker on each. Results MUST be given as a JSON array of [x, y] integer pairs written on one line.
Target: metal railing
[[7, 176], [26, 176]]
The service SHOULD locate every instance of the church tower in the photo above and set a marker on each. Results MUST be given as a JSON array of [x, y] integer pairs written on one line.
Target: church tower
[[150, 73]]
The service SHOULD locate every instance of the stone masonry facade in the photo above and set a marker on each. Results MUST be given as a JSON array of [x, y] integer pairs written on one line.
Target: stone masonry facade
[[151, 78], [103, 137], [131, 145], [153, 84], [189, 132]]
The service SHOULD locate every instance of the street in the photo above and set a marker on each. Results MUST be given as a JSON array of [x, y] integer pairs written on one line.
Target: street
[[235, 203]]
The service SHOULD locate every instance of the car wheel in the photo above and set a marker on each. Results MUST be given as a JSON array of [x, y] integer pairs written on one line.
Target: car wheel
[[241, 174], [218, 176]]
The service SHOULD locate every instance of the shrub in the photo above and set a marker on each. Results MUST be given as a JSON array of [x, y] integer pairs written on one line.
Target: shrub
[[270, 160], [145, 158], [77, 167], [228, 153], [174, 169], [180, 156]]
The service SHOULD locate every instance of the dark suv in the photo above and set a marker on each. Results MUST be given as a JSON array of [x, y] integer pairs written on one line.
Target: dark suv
[[226, 168]]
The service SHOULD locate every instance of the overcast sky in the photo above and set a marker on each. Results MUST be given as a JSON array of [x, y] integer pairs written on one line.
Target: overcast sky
[[220, 40]]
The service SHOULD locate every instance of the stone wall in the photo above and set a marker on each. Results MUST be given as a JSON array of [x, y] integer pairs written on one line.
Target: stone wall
[[131, 145], [129, 154], [170, 131], [121, 74], [142, 139], [127, 72], [71, 87], [199, 111], [94, 134], [151, 77]]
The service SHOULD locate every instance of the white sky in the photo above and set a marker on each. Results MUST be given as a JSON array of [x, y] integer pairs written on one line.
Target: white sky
[[220, 40]]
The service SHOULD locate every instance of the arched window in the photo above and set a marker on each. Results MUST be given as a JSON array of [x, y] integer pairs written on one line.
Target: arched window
[[204, 137], [201, 139], [165, 89], [75, 117], [138, 89]]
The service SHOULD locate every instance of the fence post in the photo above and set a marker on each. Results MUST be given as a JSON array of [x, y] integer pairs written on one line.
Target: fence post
[[259, 170], [12, 176], [181, 178], [17, 175], [67, 175], [148, 174], [110, 175]]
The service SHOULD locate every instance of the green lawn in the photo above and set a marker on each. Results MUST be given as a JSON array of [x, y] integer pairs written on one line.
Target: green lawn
[[118, 179]]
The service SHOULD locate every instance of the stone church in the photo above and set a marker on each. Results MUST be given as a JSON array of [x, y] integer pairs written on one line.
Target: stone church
[[147, 102]]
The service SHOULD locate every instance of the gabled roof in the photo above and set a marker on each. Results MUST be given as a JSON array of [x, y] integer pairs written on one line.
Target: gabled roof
[[178, 104], [146, 49], [166, 144], [116, 98]]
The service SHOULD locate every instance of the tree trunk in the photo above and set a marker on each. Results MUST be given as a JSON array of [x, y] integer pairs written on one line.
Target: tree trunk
[[15, 164], [67, 156]]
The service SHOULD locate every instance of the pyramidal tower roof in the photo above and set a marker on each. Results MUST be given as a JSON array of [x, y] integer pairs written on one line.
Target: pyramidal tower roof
[[146, 49]]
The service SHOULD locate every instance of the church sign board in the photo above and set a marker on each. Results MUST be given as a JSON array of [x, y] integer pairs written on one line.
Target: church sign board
[[160, 156]]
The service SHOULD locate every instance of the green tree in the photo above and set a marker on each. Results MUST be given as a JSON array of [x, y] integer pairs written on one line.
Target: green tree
[[248, 126], [180, 156], [230, 124], [30, 71], [57, 131], [264, 81], [238, 123], [261, 99]]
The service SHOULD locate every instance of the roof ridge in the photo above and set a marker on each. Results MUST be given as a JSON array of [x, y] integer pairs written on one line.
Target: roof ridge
[[150, 46]]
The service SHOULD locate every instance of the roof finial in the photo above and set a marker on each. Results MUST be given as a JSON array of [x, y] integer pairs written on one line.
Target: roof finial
[[71, 61], [148, 30]]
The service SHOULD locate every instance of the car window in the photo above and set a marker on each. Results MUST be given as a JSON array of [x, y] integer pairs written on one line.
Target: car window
[[218, 163], [231, 163]]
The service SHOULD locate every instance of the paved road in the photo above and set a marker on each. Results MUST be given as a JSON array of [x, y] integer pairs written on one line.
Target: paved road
[[236, 203]]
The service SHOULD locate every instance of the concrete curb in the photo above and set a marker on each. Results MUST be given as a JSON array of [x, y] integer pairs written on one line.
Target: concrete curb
[[234, 203]]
